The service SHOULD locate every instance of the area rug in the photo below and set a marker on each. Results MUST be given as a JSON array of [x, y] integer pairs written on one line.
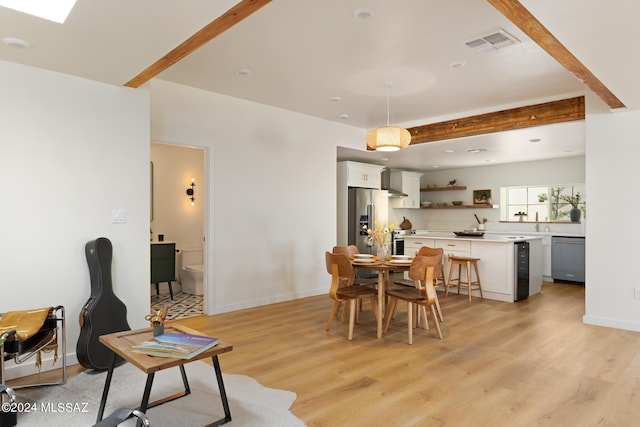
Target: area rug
[[76, 402]]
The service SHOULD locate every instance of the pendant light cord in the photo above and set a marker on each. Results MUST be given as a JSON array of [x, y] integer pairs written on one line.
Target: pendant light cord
[[388, 86]]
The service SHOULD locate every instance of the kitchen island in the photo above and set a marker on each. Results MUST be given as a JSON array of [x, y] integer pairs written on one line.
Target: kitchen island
[[497, 265]]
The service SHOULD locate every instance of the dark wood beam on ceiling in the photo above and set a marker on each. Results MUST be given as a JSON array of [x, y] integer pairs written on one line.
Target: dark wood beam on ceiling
[[523, 19], [225, 21], [516, 118]]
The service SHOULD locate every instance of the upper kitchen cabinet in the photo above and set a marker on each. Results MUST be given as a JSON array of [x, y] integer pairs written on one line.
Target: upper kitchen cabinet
[[361, 175], [408, 183]]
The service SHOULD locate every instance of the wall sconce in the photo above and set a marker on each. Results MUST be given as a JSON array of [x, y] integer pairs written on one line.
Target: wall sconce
[[191, 191]]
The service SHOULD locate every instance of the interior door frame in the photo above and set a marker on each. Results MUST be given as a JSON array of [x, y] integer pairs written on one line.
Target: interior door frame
[[207, 215]]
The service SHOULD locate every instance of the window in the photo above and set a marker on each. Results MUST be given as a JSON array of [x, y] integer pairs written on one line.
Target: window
[[541, 203]]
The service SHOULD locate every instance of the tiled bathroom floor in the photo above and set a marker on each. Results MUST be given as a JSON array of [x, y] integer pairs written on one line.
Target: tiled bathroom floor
[[183, 305]]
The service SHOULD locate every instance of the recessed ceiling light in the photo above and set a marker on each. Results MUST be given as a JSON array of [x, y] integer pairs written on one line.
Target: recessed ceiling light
[[435, 166], [17, 43], [448, 151], [457, 64], [243, 72], [335, 99], [56, 11], [344, 116], [535, 140], [364, 13], [476, 150]]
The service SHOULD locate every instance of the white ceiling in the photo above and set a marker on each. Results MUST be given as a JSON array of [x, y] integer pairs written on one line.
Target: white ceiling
[[301, 53]]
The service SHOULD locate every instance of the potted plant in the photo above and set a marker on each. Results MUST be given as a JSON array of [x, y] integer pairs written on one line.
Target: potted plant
[[521, 215], [574, 201]]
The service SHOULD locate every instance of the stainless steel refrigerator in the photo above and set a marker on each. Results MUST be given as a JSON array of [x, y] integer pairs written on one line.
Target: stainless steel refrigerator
[[365, 206]]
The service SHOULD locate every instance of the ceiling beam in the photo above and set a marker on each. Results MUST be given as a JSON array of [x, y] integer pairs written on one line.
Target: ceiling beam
[[231, 17], [523, 19], [516, 118]]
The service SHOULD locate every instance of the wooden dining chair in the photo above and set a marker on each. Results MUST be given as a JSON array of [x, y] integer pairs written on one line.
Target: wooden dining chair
[[439, 274], [423, 295], [343, 290], [350, 251]]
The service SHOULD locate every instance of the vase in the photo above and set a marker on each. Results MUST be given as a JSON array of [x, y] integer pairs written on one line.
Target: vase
[[158, 329], [521, 218], [382, 251], [574, 214]]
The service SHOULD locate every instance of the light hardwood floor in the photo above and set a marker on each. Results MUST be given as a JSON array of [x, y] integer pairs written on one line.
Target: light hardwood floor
[[522, 364], [531, 363]]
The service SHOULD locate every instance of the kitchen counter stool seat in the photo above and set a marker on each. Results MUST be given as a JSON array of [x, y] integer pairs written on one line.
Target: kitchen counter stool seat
[[466, 262]]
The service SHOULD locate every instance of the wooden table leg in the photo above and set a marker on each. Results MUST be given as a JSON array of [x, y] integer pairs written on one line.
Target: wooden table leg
[[380, 301]]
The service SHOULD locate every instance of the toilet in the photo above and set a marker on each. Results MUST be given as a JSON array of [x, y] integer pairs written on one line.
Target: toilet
[[191, 271]]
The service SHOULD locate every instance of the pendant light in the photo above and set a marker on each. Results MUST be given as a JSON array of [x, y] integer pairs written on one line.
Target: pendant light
[[388, 138]]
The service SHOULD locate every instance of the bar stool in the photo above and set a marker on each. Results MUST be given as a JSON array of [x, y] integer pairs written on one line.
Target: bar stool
[[467, 262]]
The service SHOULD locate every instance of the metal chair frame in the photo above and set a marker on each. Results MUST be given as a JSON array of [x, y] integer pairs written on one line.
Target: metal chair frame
[[19, 358]]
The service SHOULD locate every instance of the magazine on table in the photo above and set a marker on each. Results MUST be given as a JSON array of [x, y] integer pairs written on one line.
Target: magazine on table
[[181, 346]]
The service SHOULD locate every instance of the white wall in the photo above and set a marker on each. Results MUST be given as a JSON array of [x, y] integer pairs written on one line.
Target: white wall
[[611, 252], [71, 150], [173, 215], [544, 172], [272, 199]]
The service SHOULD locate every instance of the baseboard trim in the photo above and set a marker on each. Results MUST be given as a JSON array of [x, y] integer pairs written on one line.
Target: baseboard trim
[[13, 370], [611, 323]]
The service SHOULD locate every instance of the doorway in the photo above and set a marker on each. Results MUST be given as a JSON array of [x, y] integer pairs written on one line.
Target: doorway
[[178, 201]]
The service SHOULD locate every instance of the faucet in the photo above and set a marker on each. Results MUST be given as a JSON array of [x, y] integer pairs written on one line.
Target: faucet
[[537, 223]]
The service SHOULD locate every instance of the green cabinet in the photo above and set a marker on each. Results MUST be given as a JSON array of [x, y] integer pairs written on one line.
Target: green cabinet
[[163, 264]]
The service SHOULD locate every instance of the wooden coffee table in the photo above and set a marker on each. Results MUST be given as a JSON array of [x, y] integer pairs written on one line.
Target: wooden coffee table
[[121, 342]]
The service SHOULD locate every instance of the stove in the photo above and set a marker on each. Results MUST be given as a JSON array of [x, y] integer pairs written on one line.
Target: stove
[[403, 232], [397, 241]]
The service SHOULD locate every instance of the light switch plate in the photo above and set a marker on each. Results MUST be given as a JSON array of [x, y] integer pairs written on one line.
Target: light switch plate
[[118, 216]]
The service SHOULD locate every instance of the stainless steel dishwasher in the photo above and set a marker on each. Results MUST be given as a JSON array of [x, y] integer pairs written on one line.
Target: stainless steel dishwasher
[[567, 258]]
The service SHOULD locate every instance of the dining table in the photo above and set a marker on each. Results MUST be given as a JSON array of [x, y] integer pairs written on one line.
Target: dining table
[[383, 266]]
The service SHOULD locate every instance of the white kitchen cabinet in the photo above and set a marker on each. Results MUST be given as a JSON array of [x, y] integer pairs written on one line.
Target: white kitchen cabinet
[[412, 245], [494, 277], [408, 183], [362, 175], [496, 266], [453, 248]]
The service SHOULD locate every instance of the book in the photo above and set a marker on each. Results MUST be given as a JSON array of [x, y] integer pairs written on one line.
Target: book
[[180, 346]]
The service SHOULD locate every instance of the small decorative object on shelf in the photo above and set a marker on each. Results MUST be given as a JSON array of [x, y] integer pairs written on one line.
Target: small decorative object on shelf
[[521, 215], [452, 183]]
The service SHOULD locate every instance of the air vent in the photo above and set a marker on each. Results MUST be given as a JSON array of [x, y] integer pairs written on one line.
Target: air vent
[[496, 40]]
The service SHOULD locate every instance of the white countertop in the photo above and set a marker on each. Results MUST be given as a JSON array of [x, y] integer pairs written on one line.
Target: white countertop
[[488, 237]]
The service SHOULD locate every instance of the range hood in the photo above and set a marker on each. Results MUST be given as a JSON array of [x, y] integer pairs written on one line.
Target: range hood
[[386, 185]]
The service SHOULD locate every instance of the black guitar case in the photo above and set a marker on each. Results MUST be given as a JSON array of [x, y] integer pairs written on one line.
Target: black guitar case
[[103, 313]]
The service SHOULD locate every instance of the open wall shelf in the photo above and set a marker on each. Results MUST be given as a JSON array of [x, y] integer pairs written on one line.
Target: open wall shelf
[[449, 188], [458, 207]]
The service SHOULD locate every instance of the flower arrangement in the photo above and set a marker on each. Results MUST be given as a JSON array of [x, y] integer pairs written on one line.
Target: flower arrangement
[[379, 235], [572, 200], [520, 213]]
